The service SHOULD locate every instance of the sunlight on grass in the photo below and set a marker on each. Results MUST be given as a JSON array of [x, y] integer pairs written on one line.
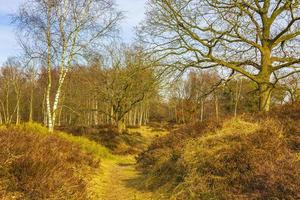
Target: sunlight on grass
[[149, 133], [86, 145]]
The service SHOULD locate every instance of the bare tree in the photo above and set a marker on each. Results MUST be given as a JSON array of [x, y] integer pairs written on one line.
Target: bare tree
[[291, 86], [255, 38], [31, 76], [59, 32], [12, 80], [129, 82]]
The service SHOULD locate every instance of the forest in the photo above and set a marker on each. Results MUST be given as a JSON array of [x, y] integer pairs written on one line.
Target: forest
[[203, 104]]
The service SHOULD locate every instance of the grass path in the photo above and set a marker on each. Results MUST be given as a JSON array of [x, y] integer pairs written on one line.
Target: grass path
[[118, 178]]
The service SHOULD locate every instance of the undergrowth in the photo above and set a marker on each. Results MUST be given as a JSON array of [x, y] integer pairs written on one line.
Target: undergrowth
[[128, 142], [38, 165], [86, 144], [250, 157]]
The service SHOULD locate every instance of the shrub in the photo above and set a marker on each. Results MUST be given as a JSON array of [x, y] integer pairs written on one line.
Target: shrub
[[37, 166], [161, 160], [118, 143], [245, 158], [87, 145], [241, 161]]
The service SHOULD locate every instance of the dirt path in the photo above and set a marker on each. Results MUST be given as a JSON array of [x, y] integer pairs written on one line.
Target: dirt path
[[118, 179], [121, 181]]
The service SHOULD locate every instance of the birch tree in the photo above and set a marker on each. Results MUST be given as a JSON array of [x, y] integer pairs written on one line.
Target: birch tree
[[59, 33], [12, 81], [255, 38]]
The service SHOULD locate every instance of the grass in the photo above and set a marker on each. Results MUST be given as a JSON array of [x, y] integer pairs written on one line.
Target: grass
[[132, 141], [36, 166], [50, 165], [118, 177], [86, 145], [240, 158]]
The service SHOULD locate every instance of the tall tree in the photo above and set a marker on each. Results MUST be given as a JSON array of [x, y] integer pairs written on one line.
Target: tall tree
[[59, 32], [255, 38]]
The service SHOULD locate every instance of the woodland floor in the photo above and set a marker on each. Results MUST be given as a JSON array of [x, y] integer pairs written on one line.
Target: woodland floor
[[118, 178]]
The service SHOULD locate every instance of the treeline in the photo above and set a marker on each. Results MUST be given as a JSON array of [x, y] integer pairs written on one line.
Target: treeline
[[224, 71], [127, 93], [204, 95], [116, 92]]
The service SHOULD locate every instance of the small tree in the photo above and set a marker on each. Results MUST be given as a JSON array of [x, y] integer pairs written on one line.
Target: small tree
[[12, 81]]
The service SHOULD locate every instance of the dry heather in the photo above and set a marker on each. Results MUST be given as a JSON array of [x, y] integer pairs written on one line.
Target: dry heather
[[128, 142], [244, 158], [41, 166], [241, 161]]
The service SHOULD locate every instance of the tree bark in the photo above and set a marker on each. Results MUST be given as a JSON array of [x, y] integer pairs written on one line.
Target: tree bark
[[237, 96], [217, 106], [265, 91], [31, 105], [202, 110], [121, 127]]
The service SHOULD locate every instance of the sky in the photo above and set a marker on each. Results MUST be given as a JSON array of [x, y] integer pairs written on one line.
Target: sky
[[133, 11]]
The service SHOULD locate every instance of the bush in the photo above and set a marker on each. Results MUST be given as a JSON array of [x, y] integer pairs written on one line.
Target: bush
[[242, 158], [161, 160], [118, 143], [289, 116], [87, 145], [37, 166], [241, 161]]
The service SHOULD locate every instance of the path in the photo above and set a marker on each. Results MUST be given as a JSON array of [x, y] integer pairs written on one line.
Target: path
[[118, 179]]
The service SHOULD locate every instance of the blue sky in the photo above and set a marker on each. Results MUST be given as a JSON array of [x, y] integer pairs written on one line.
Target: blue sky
[[133, 10]]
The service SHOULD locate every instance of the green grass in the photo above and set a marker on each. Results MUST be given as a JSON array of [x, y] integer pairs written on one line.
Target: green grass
[[86, 145]]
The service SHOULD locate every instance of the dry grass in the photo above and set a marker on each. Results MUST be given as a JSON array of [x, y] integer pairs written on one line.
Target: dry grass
[[130, 142], [252, 157], [240, 161], [36, 165]]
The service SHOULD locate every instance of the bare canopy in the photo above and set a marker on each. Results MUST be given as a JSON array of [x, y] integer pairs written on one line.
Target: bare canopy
[[259, 39], [58, 32]]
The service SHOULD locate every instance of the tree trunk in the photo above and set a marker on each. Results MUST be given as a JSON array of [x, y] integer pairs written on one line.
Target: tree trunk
[[134, 117], [265, 91], [18, 105], [121, 127], [237, 96], [217, 106], [202, 110], [31, 105], [176, 116], [182, 112], [96, 114], [112, 113], [140, 116]]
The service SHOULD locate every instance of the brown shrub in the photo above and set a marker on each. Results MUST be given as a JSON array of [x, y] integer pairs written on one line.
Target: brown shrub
[[33, 166], [108, 136], [161, 159], [241, 161], [249, 158], [288, 116]]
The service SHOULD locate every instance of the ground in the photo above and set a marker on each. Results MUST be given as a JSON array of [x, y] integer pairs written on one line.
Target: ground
[[118, 179]]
